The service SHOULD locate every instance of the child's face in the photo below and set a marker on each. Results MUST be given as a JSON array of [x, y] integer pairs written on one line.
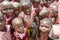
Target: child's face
[[19, 27], [17, 10], [43, 2], [36, 4], [26, 10], [45, 26], [7, 10], [2, 23]]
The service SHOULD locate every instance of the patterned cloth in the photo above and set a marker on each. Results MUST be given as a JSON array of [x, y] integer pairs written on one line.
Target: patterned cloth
[[18, 36], [5, 35]]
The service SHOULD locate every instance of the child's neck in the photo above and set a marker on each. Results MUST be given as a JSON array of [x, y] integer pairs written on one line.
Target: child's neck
[[44, 36]]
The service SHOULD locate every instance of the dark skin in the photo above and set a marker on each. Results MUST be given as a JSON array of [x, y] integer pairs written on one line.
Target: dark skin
[[26, 10], [17, 10], [36, 5]]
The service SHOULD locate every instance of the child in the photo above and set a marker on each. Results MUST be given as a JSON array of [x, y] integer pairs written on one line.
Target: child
[[4, 34], [7, 10], [26, 13], [20, 31], [54, 7], [35, 4], [43, 29], [17, 8]]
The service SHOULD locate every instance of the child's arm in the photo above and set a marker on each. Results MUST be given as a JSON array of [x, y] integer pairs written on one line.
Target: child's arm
[[1, 37], [33, 12]]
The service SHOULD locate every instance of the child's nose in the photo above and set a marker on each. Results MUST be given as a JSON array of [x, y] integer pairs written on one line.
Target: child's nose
[[44, 28]]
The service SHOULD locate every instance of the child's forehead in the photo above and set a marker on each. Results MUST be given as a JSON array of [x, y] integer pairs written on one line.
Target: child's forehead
[[46, 24]]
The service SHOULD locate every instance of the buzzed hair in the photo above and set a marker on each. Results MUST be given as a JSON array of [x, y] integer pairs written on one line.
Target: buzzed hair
[[44, 11], [16, 4], [5, 4], [35, 0], [47, 20], [17, 20]]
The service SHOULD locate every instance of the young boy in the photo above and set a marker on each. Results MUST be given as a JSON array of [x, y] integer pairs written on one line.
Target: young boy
[[44, 29], [4, 34], [17, 8], [20, 31], [54, 7], [7, 10], [26, 13]]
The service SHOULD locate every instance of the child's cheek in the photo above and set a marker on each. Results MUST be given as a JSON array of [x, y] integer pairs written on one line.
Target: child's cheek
[[41, 28], [47, 29]]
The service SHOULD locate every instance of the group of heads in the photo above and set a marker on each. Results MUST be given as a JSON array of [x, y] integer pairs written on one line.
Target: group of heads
[[8, 9]]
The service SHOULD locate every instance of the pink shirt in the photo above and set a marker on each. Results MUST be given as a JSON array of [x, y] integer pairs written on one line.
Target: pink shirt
[[28, 19], [5, 35], [19, 36]]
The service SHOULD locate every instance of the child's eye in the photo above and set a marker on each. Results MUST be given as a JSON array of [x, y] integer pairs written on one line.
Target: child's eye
[[42, 25], [46, 26], [4, 9]]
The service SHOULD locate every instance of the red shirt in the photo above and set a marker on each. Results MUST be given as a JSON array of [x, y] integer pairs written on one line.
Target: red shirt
[[19, 36], [9, 20]]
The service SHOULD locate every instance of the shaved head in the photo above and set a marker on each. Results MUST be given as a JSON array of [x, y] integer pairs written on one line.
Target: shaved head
[[17, 20], [44, 11], [16, 4], [26, 3], [46, 20]]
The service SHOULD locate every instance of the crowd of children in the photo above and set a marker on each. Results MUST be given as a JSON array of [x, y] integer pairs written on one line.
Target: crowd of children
[[29, 20]]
